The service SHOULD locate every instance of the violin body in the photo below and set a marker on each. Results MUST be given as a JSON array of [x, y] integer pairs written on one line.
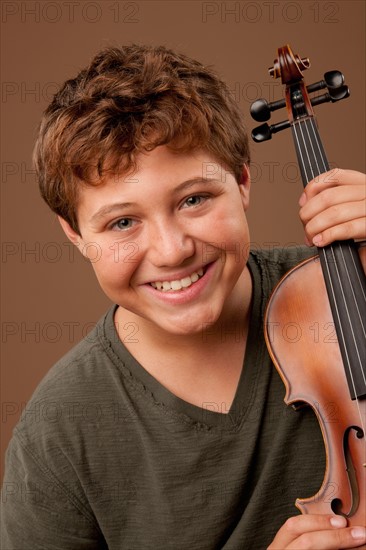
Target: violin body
[[300, 336], [315, 323]]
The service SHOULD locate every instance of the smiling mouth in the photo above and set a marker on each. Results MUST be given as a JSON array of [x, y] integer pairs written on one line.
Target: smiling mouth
[[178, 284]]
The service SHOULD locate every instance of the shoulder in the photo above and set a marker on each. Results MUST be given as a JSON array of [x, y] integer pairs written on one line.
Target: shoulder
[[73, 391], [278, 261], [58, 431], [268, 266], [77, 365]]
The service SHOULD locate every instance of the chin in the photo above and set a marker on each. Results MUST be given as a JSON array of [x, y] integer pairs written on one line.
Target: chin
[[192, 326]]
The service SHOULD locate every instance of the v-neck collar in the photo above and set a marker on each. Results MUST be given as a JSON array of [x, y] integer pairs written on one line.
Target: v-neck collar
[[209, 415]]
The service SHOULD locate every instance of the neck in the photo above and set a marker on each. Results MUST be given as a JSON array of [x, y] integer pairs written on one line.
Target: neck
[[201, 367]]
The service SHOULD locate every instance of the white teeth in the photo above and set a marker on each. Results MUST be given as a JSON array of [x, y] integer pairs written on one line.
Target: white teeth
[[187, 281], [165, 286], [176, 285]]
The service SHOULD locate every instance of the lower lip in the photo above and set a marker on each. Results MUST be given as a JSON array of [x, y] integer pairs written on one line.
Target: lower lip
[[185, 294]]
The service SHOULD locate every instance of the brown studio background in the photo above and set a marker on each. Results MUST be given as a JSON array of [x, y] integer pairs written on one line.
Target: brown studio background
[[50, 297]]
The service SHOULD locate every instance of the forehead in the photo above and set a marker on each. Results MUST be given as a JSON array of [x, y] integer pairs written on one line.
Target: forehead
[[159, 170], [164, 162]]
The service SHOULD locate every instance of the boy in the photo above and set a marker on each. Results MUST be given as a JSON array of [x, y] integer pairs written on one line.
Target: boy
[[171, 431]]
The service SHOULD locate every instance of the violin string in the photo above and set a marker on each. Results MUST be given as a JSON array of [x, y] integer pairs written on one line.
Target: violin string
[[343, 339], [347, 310], [361, 287], [300, 126], [303, 148], [335, 264], [359, 315], [319, 170], [351, 287], [309, 177], [346, 268], [353, 294], [327, 264]]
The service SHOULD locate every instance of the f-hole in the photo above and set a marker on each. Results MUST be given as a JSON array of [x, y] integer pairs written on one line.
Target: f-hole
[[336, 503]]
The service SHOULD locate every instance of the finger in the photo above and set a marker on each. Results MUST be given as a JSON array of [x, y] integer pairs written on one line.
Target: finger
[[296, 526], [348, 221], [320, 532], [332, 179], [354, 229], [351, 537], [332, 198]]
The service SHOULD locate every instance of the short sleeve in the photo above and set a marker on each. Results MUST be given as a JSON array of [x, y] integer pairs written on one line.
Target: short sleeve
[[40, 511]]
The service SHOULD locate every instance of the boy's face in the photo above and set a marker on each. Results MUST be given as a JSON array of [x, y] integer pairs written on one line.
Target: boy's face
[[170, 242]]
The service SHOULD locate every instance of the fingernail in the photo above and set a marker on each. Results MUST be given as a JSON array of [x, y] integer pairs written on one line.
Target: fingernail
[[358, 533], [338, 521], [302, 199], [317, 240]]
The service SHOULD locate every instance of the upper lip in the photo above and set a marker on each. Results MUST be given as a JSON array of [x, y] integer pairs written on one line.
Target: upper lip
[[177, 276]]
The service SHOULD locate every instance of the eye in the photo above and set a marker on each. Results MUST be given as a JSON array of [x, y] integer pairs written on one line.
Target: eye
[[122, 224], [194, 200]]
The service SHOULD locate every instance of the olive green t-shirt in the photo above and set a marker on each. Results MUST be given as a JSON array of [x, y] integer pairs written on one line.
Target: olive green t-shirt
[[105, 456]]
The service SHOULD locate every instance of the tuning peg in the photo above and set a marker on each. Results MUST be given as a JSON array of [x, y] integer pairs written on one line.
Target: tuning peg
[[333, 95], [264, 132], [332, 79], [260, 110]]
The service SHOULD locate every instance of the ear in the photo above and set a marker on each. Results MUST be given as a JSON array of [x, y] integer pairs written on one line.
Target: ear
[[244, 186], [74, 237]]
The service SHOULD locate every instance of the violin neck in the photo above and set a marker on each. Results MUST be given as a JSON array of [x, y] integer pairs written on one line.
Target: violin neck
[[342, 269]]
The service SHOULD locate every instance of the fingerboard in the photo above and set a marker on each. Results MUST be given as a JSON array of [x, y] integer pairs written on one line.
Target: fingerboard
[[342, 269]]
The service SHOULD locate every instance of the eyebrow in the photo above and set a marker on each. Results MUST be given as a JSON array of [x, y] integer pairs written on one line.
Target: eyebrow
[[110, 208]]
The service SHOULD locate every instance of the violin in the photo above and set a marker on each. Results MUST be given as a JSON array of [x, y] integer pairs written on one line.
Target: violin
[[328, 290]]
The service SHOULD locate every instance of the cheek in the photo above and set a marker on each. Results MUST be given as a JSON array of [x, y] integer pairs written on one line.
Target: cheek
[[231, 226], [230, 236], [116, 264], [235, 234], [126, 253]]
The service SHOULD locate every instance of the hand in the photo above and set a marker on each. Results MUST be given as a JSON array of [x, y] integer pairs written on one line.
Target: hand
[[333, 207], [318, 532]]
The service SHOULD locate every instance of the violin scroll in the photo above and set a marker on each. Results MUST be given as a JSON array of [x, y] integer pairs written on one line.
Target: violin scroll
[[289, 67]]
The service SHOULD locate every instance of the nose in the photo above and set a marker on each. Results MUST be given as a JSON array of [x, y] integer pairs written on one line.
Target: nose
[[169, 243]]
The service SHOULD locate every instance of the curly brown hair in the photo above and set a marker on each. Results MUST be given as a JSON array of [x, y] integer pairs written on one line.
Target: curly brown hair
[[130, 100]]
